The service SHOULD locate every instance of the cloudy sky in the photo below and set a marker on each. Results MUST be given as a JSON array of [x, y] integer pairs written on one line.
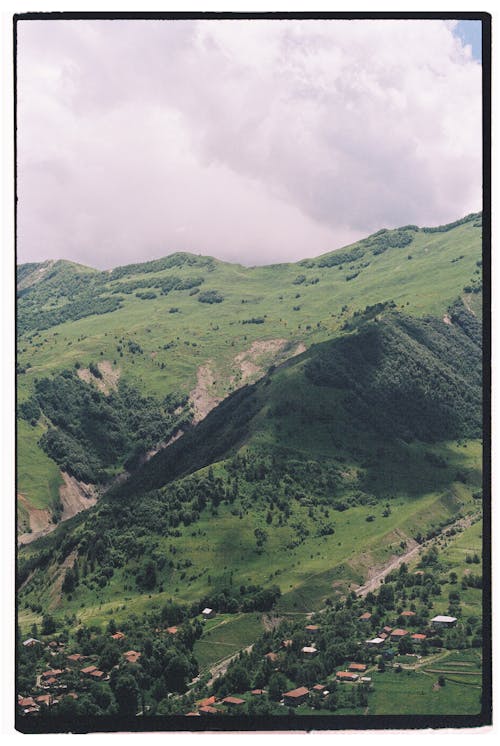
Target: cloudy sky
[[252, 141]]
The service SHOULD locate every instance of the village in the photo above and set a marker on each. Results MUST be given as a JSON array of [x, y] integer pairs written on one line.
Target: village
[[76, 673]]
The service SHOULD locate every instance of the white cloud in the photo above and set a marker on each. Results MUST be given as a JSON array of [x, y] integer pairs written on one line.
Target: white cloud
[[263, 141]]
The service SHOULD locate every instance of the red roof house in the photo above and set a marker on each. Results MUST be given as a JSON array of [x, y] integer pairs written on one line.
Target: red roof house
[[296, 696]]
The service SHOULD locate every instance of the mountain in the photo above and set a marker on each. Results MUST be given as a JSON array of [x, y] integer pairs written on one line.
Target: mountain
[[359, 445], [270, 443], [178, 335]]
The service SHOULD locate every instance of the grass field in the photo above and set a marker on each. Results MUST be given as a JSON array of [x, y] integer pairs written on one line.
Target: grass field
[[225, 637], [416, 693]]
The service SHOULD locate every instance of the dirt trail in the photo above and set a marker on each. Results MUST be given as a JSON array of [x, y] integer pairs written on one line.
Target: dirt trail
[[374, 582], [222, 666]]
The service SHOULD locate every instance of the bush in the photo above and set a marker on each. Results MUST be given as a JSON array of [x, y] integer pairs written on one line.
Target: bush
[[210, 296]]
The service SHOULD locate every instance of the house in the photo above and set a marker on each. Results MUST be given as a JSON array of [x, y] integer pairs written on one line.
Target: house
[[312, 629], [365, 617], [49, 682], [118, 636], [74, 657], [208, 613], [233, 701], [192, 714], [366, 679], [131, 656], [31, 642], [207, 702], [296, 696], [375, 642], [443, 621], [398, 634], [357, 667], [44, 699], [88, 670], [208, 710], [25, 701], [273, 657], [286, 643], [52, 674], [418, 637], [309, 650], [346, 676], [27, 705], [257, 692], [319, 688], [408, 614], [172, 630], [98, 675]]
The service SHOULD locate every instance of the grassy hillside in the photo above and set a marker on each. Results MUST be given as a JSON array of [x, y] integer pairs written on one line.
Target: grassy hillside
[[281, 485], [189, 325]]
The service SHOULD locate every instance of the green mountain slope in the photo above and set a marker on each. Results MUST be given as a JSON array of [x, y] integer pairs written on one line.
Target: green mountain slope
[[190, 326], [332, 462]]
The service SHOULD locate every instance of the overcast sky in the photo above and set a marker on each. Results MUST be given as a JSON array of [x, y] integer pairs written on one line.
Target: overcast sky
[[252, 141]]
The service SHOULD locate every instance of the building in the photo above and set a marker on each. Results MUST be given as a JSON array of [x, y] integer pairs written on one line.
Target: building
[[375, 642], [257, 692], [418, 637], [273, 657], [208, 613], [208, 710], [74, 658], [31, 642], [319, 688], [309, 651], [312, 629], [88, 670], [346, 676], [131, 656], [443, 621], [98, 675], [118, 636], [365, 617], [295, 697], [286, 643], [408, 614], [207, 702], [233, 701], [172, 630], [398, 634], [357, 667]]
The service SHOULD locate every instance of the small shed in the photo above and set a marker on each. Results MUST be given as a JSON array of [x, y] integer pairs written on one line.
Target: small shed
[[208, 613]]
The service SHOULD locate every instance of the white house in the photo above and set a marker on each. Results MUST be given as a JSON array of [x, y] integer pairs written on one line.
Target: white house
[[443, 621]]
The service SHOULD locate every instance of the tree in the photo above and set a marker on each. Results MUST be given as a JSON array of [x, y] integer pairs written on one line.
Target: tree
[[277, 683], [69, 581], [126, 693], [48, 624], [146, 577], [109, 656]]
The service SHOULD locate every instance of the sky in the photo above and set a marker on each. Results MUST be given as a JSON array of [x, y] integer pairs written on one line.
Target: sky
[[252, 141]]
